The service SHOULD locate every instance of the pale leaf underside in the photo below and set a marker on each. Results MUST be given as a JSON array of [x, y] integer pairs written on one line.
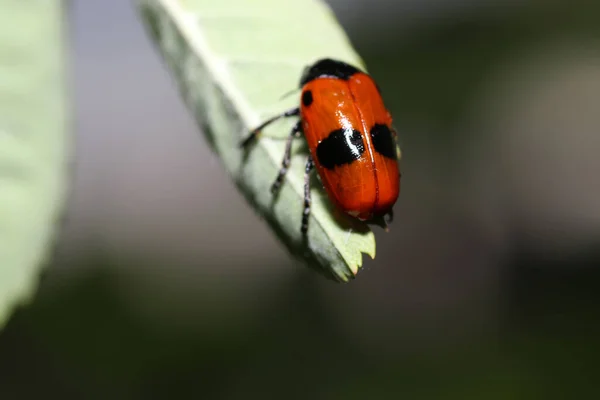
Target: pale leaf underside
[[233, 60]]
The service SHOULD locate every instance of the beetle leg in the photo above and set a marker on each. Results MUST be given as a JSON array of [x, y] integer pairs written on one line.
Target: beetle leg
[[254, 133], [306, 213], [285, 164]]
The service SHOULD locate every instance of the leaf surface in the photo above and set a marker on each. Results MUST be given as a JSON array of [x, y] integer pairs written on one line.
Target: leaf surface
[[233, 60]]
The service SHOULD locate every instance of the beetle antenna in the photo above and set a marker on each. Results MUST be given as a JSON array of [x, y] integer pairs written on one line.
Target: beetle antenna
[[287, 94]]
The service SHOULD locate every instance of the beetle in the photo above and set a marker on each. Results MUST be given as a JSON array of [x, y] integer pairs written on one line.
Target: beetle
[[349, 134]]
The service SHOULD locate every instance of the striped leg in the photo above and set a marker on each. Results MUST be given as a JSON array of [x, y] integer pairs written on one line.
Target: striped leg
[[306, 213], [285, 164], [294, 112]]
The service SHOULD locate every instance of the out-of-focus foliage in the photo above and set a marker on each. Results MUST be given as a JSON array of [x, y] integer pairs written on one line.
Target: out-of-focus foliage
[[33, 142]]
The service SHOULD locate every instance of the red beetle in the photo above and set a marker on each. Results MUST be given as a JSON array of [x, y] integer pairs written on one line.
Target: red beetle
[[351, 140]]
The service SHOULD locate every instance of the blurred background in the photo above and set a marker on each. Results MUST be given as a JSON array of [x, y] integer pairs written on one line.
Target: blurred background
[[165, 284]]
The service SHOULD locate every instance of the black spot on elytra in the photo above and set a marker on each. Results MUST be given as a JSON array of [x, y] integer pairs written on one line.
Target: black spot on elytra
[[342, 146], [307, 98], [327, 68], [383, 141]]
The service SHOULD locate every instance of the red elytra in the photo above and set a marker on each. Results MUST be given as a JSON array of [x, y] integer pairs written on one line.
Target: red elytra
[[352, 143]]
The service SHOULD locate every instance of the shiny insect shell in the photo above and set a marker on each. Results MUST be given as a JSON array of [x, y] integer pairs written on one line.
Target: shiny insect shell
[[349, 133]]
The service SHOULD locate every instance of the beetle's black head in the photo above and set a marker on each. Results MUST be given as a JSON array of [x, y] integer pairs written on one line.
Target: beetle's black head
[[327, 68]]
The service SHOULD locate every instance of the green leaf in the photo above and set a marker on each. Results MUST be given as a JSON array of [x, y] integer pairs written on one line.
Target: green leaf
[[233, 60], [32, 142]]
